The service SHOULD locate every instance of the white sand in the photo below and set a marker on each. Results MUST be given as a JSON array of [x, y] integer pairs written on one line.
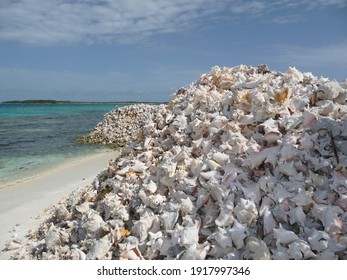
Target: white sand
[[23, 203]]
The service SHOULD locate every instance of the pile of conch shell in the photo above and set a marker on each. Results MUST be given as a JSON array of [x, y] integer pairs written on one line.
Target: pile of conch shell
[[245, 163], [121, 126]]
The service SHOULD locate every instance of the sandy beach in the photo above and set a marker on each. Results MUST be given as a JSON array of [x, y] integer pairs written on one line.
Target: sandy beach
[[22, 203]]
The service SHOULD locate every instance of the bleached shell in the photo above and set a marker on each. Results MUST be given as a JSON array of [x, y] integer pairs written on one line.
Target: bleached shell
[[141, 227], [221, 158], [309, 119], [84, 207], [256, 249], [246, 211], [150, 187], [288, 168], [269, 221], [280, 193], [61, 212], [217, 191], [169, 219], [329, 90], [339, 183], [238, 233], [93, 222], [186, 206], [342, 202], [223, 237], [230, 173], [99, 249], [196, 251], [284, 236], [138, 167], [319, 240], [211, 212], [300, 250], [252, 192], [214, 165], [266, 155], [332, 223], [154, 244], [179, 122], [189, 235], [297, 215], [77, 254], [202, 197], [52, 239], [225, 218], [156, 200], [209, 175]]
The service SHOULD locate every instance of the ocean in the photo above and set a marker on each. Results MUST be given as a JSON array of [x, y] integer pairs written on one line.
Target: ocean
[[37, 137]]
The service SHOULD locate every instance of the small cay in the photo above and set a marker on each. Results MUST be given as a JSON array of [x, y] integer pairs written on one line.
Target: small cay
[[245, 163]]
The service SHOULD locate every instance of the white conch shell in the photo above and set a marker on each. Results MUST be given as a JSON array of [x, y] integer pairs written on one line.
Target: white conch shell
[[230, 173], [156, 200], [151, 187], [297, 215], [202, 197], [221, 158], [226, 217], [93, 222], [196, 251], [238, 233], [309, 119], [332, 223], [189, 235], [342, 202], [269, 221], [99, 249], [141, 227], [77, 254], [84, 207], [154, 244], [246, 211], [223, 237], [52, 239], [129, 249], [329, 90], [61, 212], [256, 249], [319, 240], [138, 167], [252, 192], [284, 236], [266, 155], [169, 219], [300, 250]]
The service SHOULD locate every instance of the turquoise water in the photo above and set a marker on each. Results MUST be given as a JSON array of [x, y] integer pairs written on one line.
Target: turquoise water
[[35, 137]]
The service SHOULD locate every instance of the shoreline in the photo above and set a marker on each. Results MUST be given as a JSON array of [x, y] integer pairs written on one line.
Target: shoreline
[[23, 203], [52, 167]]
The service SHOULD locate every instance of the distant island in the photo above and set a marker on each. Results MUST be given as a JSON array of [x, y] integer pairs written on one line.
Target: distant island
[[51, 101]]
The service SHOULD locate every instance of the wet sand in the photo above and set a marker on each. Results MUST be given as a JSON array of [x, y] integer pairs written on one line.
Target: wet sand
[[23, 203]]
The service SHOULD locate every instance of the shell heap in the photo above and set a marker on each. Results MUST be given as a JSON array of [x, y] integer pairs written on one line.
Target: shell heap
[[245, 163], [121, 125]]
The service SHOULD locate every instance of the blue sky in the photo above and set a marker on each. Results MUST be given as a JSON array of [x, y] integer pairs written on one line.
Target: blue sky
[[143, 50]]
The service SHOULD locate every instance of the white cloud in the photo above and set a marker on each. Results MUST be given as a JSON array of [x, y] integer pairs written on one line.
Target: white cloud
[[310, 56], [52, 22], [288, 19], [57, 21], [330, 58]]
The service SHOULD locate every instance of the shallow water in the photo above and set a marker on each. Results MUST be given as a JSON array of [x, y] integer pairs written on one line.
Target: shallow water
[[36, 137]]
